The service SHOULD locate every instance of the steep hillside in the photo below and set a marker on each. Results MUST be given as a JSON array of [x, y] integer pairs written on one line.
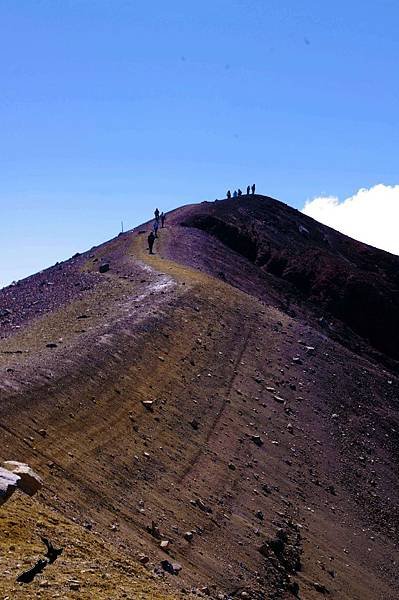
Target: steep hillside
[[208, 398]]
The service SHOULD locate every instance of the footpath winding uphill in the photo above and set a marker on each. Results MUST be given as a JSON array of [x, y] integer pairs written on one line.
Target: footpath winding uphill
[[198, 428]]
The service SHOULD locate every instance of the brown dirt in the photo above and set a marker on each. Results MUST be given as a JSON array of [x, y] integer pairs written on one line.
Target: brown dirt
[[156, 328]]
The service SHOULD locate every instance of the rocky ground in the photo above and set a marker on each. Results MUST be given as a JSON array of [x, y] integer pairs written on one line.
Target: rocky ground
[[197, 427]]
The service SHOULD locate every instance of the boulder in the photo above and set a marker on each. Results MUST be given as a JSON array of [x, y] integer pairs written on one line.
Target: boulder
[[8, 484], [28, 481]]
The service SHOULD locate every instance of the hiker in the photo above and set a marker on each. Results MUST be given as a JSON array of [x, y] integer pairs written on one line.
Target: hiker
[[248, 190], [228, 195], [151, 240], [235, 194], [163, 217], [253, 188], [155, 227], [239, 192], [156, 213]]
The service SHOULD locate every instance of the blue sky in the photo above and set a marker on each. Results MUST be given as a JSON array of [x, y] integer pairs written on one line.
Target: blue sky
[[110, 107]]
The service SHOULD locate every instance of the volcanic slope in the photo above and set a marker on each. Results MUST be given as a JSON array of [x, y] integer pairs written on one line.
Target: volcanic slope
[[265, 452]]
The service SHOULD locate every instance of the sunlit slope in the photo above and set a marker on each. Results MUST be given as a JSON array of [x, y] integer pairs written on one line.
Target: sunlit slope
[[261, 427]]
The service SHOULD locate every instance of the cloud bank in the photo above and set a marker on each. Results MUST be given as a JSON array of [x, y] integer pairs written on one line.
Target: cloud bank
[[370, 216]]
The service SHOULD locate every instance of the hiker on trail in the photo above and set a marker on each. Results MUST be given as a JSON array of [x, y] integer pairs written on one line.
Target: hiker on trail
[[155, 228], [253, 188], [235, 194], [248, 190], [228, 195], [163, 217], [151, 240], [239, 192], [156, 213]]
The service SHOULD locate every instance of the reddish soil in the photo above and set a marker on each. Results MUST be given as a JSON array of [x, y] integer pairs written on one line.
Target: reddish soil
[[232, 335]]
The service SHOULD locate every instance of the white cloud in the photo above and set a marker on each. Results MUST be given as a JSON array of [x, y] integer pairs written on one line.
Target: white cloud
[[370, 216]]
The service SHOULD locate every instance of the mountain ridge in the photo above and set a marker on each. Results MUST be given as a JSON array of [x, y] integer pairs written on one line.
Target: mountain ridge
[[268, 435]]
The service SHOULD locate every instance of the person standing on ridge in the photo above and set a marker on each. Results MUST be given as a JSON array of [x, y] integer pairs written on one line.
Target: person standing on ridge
[[151, 240], [253, 188], [235, 194], [248, 190], [155, 227], [228, 195], [239, 192], [163, 217], [156, 213]]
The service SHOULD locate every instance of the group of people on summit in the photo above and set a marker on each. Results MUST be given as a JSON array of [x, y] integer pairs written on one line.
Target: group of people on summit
[[159, 220], [237, 193]]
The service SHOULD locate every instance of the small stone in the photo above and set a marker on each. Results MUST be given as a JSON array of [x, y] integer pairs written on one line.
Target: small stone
[[172, 568], [164, 544], [279, 399], [202, 506], [144, 559], [257, 440], [189, 536], [319, 587], [259, 515], [232, 467], [104, 268], [148, 404], [74, 586]]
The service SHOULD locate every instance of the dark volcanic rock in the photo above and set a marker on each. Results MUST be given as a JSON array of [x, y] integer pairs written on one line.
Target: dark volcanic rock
[[104, 268], [357, 284]]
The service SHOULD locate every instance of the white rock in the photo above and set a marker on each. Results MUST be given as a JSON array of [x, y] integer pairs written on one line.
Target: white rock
[[8, 484], [28, 481]]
